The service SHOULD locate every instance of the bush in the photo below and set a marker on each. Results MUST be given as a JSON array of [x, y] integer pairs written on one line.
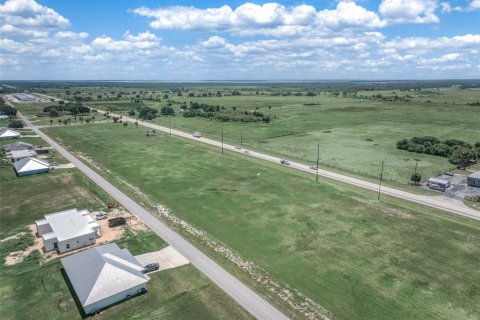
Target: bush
[[15, 124], [125, 124], [462, 157], [131, 113]]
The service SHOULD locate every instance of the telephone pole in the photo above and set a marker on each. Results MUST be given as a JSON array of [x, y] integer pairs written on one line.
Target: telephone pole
[[222, 137], [380, 184], [170, 123], [318, 160], [241, 138]]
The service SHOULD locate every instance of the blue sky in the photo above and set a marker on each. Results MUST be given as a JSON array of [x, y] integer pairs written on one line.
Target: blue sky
[[229, 40]]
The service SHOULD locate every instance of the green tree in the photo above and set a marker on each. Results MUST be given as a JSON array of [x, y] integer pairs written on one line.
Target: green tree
[[15, 124], [416, 178]]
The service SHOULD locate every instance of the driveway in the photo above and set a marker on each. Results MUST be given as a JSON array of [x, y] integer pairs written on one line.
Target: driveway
[[167, 258]]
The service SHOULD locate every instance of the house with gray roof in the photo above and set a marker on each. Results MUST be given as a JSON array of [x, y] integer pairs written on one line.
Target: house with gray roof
[[29, 166], [17, 145], [6, 133], [104, 275], [473, 180]]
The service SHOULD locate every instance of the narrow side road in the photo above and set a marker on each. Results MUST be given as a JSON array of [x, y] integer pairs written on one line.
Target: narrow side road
[[243, 295], [434, 202]]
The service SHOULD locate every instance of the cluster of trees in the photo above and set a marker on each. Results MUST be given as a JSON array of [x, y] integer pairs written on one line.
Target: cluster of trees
[[458, 152], [216, 112], [6, 109], [147, 113], [15, 124], [70, 108]]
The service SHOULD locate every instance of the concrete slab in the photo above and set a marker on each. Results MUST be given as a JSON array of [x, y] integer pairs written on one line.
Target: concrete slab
[[167, 258]]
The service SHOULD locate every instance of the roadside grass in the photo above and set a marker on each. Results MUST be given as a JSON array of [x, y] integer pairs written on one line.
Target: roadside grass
[[355, 256], [34, 287], [182, 293]]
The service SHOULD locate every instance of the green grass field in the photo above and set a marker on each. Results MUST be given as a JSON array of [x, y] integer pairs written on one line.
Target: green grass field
[[355, 256], [355, 135], [34, 288]]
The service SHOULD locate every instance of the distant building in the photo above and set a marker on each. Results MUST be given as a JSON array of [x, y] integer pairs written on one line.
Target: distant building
[[30, 166], [6, 133], [17, 145], [104, 275], [443, 184], [23, 97], [473, 180], [17, 155], [4, 117], [68, 230]]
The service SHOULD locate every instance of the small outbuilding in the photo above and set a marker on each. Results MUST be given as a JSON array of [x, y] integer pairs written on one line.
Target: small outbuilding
[[443, 184], [17, 145], [68, 230], [30, 166], [104, 275], [6, 133], [4, 117], [473, 180]]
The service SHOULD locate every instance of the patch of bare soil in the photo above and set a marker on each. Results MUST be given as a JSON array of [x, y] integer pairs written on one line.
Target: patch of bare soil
[[15, 236], [18, 256]]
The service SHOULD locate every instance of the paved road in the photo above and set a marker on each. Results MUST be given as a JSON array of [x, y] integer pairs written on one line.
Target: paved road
[[441, 203], [243, 295]]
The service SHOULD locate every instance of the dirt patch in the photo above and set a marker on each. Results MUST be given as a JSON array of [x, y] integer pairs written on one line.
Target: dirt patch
[[15, 236], [18, 256]]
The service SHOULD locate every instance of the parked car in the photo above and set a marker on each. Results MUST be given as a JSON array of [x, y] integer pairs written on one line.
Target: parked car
[[313, 167], [286, 162], [197, 134], [150, 267], [101, 215], [246, 152], [238, 148], [448, 173]]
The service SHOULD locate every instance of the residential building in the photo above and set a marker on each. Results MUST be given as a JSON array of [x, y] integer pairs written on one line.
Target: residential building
[[30, 166], [104, 275], [6, 133], [17, 155], [473, 180], [68, 230]]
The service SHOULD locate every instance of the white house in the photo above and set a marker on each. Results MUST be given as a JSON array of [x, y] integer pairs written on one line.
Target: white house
[[29, 166], [68, 230], [6, 133], [17, 155], [104, 275]]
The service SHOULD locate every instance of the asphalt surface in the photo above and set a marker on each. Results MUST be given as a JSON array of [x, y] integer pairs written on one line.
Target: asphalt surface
[[244, 296], [442, 203]]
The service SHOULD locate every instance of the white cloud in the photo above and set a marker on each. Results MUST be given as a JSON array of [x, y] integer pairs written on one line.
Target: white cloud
[[349, 14], [28, 13], [474, 5], [409, 11], [70, 35]]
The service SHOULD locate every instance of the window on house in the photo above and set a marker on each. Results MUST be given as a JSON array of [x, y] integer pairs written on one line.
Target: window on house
[[68, 246]]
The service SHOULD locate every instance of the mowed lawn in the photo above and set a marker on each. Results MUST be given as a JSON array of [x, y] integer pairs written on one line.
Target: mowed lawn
[[355, 256]]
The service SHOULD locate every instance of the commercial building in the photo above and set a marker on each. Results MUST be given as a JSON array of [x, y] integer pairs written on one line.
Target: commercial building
[[68, 230], [104, 275], [30, 166], [23, 97], [473, 180], [6, 133]]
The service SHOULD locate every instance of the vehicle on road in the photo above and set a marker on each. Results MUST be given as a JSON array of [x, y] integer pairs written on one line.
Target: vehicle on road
[[313, 167], [197, 134], [238, 148], [150, 267], [448, 173], [285, 162], [101, 215], [246, 152]]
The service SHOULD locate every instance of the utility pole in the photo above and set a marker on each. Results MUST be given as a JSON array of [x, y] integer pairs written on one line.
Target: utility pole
[[416, 165], [318, 160], [241, 138], [222, 137], [380, 184], [170, 123]]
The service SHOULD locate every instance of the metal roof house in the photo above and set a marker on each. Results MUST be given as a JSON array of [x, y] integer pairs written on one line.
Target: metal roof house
[[6, 133], [473, 180], [104, 275], [17, 155], [68, 230], [444, 184], [30, 166], [17, 145], [25, 97]]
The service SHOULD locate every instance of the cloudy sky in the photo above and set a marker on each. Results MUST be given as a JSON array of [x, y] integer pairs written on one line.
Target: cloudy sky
[[239, 40]]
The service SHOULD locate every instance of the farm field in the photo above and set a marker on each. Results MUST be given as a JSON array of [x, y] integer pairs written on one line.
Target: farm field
[[355, 134], [355, 256], [35, 286]]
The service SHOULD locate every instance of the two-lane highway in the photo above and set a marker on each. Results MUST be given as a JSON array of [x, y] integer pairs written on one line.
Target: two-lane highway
[[433, 202]]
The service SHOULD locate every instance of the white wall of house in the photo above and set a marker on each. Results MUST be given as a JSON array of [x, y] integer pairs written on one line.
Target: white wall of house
[[43, 227], [49, 244], [75, 243], [112, 299]]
